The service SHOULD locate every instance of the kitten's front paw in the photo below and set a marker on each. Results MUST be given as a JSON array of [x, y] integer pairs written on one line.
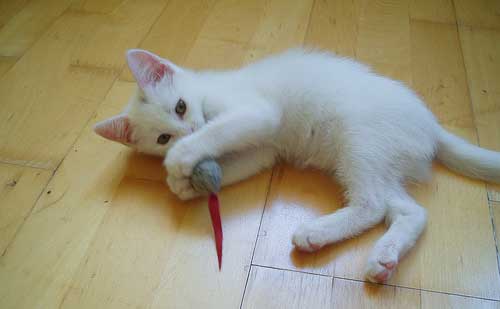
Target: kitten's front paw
[[309, 237], [181, 159], [182, 188]]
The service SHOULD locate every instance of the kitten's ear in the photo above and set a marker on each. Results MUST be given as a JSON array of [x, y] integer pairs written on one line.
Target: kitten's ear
[[116, 128], [148, 68]]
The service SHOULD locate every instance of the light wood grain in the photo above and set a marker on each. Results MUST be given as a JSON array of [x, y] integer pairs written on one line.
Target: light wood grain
[[439, 74], [42, 114], [478, 14], [9, 9], [333, 26], [273, 288], [436, 300], [20, 187], [75, 62], [353, 294], [131, 245], [50, 247], [96, 6], [436, 11], [6, 63], [25, 27], [240, 32], [383, 39]]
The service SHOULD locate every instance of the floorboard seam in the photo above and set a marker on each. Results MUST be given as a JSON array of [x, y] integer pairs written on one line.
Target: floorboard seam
[[385, 284], [494, 229], [26, 165], [294, 270], [258, 232], [420, 289]]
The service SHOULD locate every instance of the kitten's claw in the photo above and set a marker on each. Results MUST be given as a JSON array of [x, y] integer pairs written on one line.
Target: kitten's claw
[[308, 238]]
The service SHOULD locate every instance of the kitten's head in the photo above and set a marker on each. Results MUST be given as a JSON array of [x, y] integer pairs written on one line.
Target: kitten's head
[[166, 106]]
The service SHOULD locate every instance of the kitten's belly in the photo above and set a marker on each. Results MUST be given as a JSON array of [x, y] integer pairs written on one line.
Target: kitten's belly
[[308, 145]]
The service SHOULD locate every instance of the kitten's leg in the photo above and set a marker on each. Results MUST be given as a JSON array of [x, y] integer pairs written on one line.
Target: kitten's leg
[[232, 131], [407, 220], [360, 214], [235, 167]]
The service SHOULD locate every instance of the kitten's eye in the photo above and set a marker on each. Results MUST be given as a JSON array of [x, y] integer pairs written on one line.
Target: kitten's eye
[[181, 107], [163, 139]]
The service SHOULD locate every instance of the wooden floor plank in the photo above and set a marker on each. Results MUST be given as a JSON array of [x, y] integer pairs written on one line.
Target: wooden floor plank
[[353, 294], [437, 11], [273, 288], [75, 62], [96, 6], [20, 188], [25, 27], [9, 9], [479, 14], [286, 28], [6, 63], [122, 267], [333, 26], [383, 39], [238, 33], [47, 251], [437, 300]]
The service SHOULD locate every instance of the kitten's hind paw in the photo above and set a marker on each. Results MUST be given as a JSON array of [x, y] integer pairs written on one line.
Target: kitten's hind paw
[[308, 238], [380, 272]]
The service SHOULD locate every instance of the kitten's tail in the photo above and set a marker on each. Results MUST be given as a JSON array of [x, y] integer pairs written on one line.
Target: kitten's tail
[[468, 159]]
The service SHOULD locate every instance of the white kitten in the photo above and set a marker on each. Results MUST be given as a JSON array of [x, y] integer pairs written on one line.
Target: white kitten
[[311, 108]]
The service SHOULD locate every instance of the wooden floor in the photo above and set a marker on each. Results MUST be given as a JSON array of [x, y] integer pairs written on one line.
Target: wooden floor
[[85, 223]]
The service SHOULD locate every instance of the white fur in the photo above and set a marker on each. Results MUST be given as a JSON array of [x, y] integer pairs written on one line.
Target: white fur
[[314, 109]]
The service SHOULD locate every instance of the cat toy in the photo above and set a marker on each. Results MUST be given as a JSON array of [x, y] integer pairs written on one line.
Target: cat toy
[[206, 177]]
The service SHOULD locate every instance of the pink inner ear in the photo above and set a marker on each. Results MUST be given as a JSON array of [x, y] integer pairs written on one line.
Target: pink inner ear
[[147, 68], [116, 128]]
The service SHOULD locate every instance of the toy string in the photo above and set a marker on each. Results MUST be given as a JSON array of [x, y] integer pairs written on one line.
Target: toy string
[[213, 207]]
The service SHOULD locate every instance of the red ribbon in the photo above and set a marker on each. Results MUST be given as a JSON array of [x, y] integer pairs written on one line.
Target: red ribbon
[[213, 207]]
